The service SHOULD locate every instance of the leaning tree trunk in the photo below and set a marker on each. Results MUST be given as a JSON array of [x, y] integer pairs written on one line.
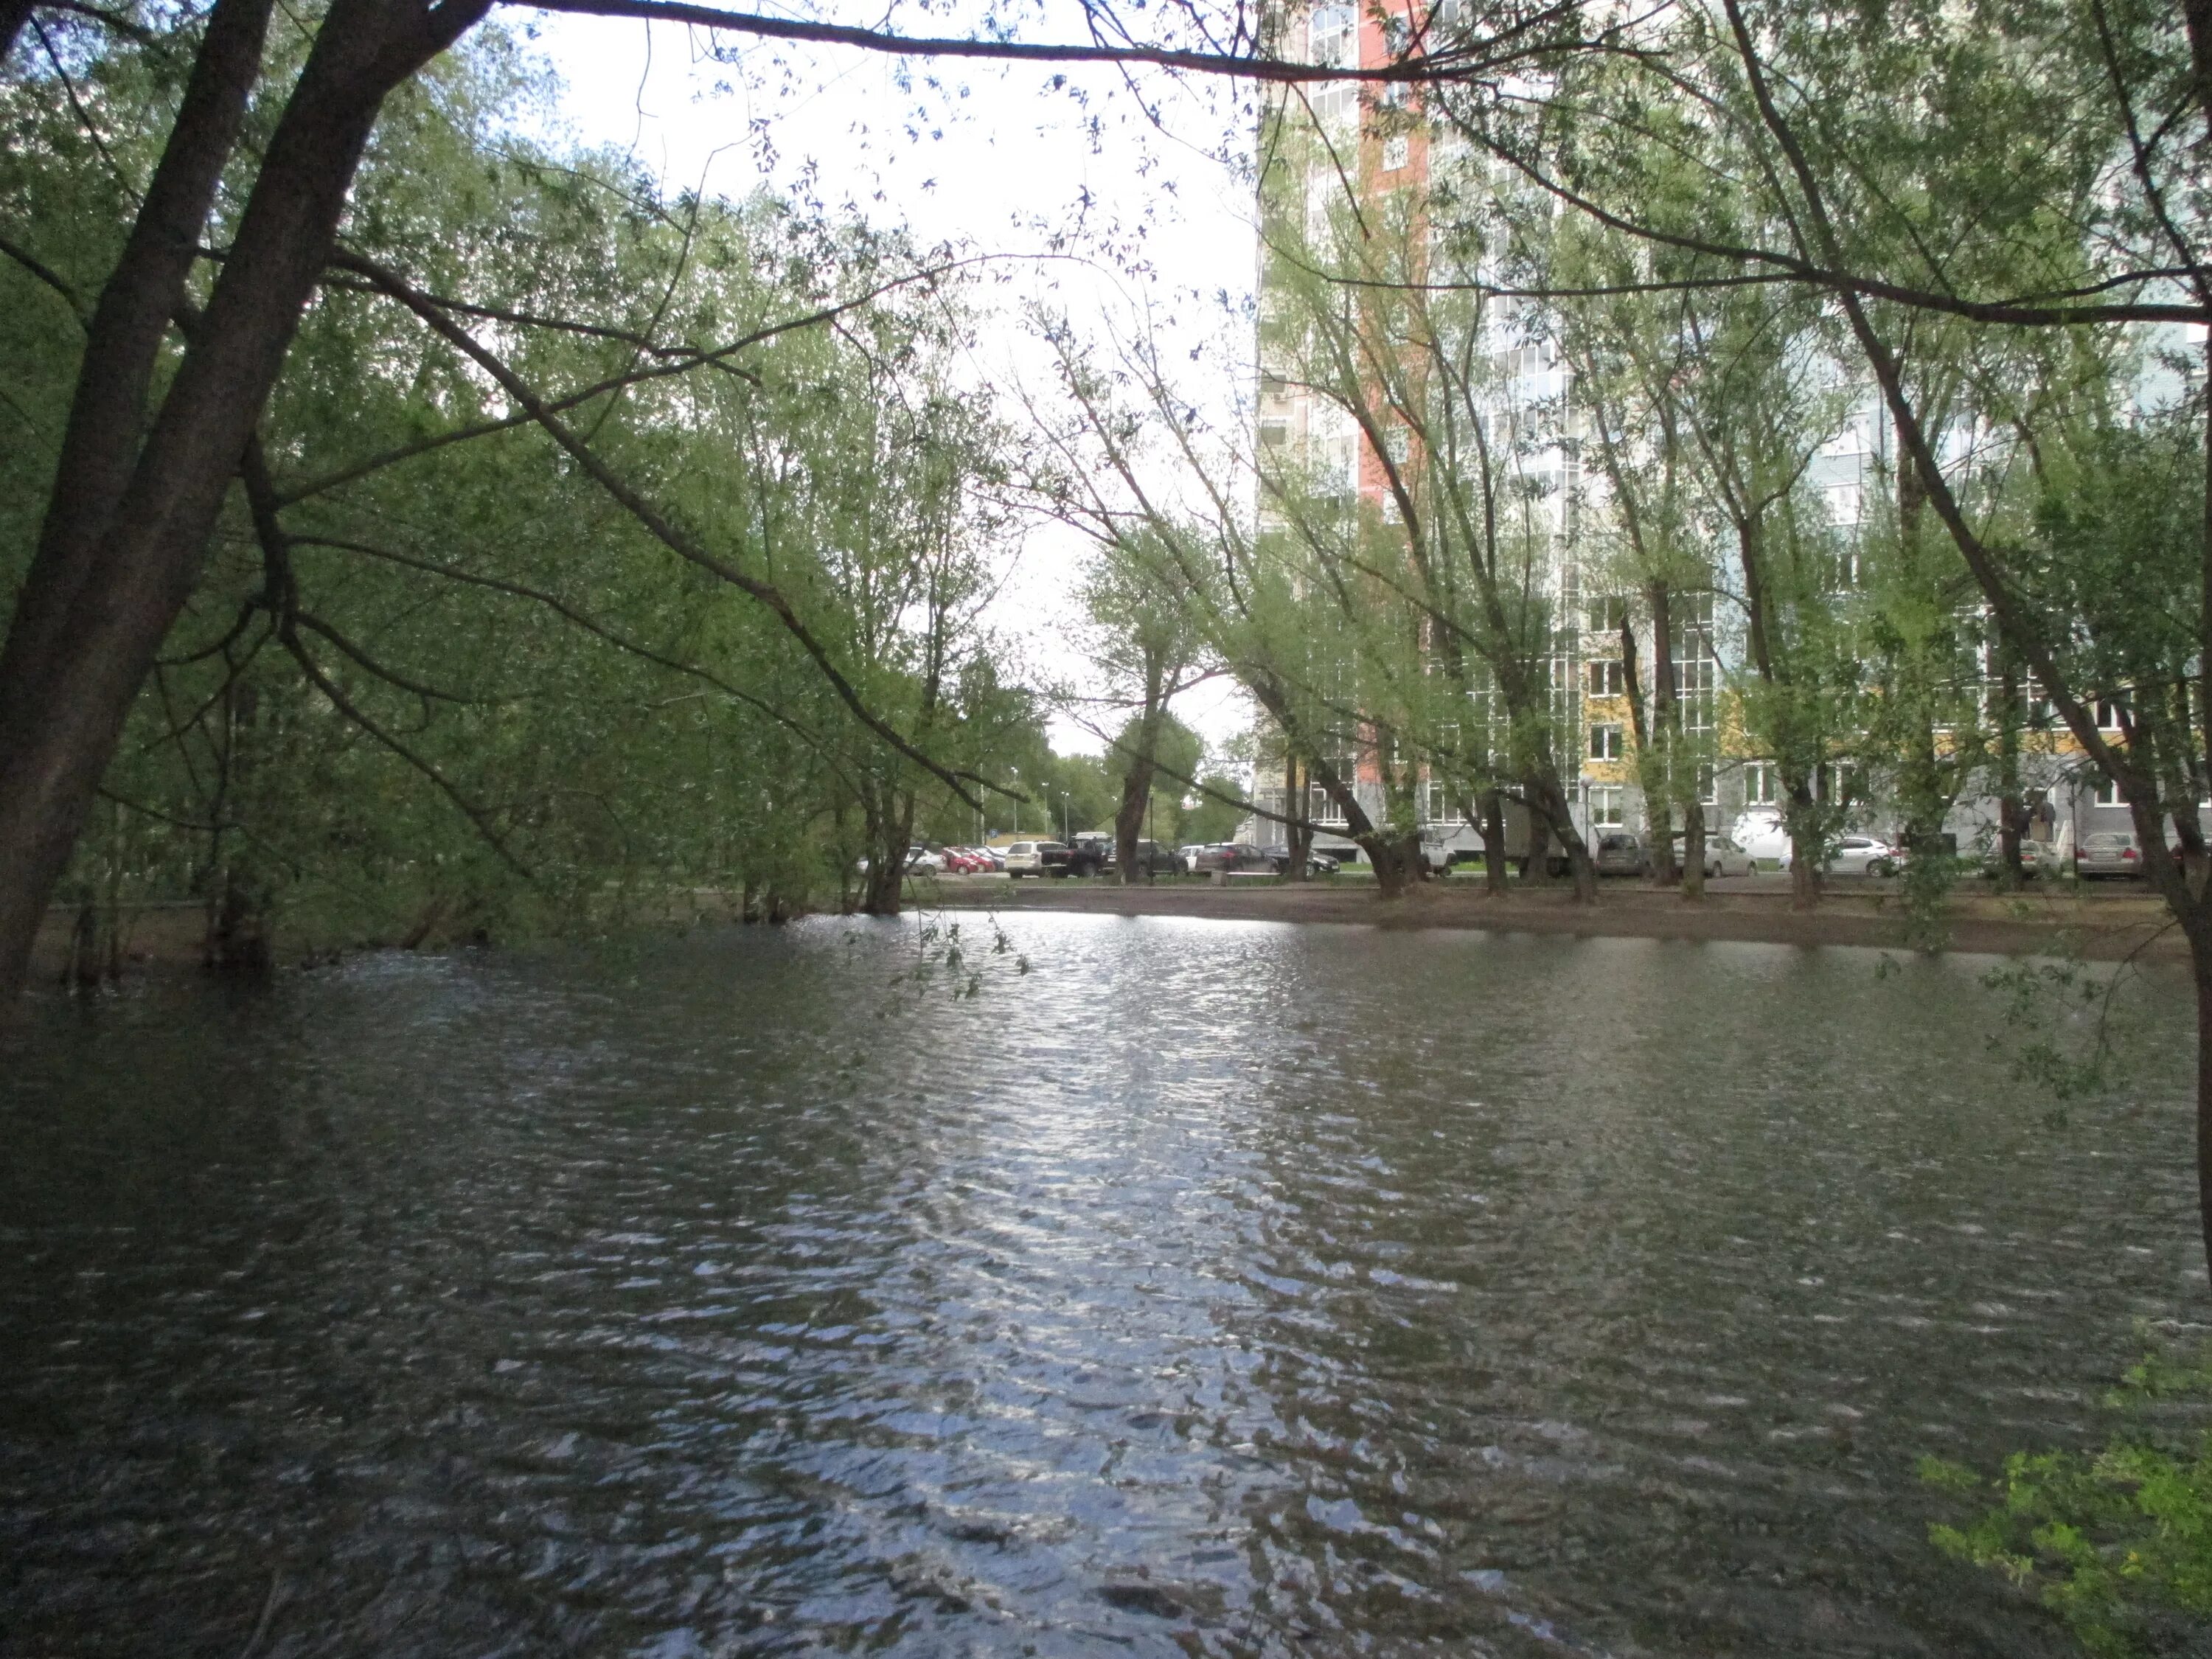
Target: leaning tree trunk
[[1397, 859], [1548, 803], [129, 517]]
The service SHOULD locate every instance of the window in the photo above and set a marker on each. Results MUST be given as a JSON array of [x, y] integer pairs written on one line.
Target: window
[[2110, 712], [1607, 678], [1436, 802], [1606, 614], [1397, 443], [1605, 741], [1761, 787], [1330, 37], [2107, 793], [1696, 680], [1709, 787], [1605, 808], [1397, 152], [1274, 434]]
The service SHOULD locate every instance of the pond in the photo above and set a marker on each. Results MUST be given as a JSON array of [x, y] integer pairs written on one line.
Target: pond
[[1206, 1288]]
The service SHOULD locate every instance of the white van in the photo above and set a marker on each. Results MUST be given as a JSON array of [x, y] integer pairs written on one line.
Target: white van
[[1761, 833]]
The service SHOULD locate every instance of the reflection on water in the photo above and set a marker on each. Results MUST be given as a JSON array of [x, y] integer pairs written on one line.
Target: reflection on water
[[1236, 1289]]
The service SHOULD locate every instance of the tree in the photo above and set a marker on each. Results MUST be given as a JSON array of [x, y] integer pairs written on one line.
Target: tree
[[1141, 633]]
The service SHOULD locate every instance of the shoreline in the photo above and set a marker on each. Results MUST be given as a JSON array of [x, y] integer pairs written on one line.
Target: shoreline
[[161, 939], [2103, 929]]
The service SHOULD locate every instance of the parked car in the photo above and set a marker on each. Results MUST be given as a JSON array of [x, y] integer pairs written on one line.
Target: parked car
[[920, 861], [1152, 860], [1085, 857], [1620, 853], [1093, 847], [1318, 863], [1861, 855], [1026, 858], [2108, 853], [968, 860], [1762, 834], [1188, 855], [2035, 857], [1232, 856], [1722, 856]]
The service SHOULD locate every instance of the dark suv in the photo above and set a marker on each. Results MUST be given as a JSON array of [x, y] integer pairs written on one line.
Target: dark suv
[[1152, 860], [1087, 857]]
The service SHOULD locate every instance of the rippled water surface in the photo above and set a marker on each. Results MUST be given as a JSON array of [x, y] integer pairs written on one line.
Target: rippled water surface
[[1210, 1288]]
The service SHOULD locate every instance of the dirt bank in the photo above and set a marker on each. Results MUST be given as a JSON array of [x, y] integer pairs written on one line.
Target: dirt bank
[[2102, 927]]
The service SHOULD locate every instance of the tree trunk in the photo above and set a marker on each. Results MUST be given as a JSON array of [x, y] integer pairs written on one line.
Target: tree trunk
[[2012, 808], [240, 948], [14, 14], [1693, 850], [127, 522], [1298, 832], [1548, 803], [890, 832], [2200, 957], [1805, 846], [83, 969], [1654, 749], [1493, 842], [1129, 818], [1397, 859]]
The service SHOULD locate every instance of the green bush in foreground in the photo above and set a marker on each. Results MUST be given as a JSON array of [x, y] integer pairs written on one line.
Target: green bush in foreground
[[2119, 1544]]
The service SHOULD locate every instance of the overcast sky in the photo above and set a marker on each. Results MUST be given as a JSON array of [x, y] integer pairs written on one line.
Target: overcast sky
[[988, 156]]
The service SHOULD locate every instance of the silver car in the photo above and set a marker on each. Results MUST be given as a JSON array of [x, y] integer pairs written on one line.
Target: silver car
[[1862, 855], [2108, 853], [1722, 857], [1620, 853]]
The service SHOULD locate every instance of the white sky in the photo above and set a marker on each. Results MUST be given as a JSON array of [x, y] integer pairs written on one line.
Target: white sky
[[989, 156]]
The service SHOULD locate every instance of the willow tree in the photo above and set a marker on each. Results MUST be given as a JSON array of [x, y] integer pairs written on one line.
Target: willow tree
[[1426, 498], [438, 660], [1141, 629]]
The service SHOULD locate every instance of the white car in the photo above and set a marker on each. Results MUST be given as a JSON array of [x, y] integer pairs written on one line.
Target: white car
[[1188, 856], [1025, 858], [1722, 857], [920, 861], [1860, 855]]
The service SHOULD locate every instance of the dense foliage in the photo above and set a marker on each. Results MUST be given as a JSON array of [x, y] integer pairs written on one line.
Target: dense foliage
[[437, 676]]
